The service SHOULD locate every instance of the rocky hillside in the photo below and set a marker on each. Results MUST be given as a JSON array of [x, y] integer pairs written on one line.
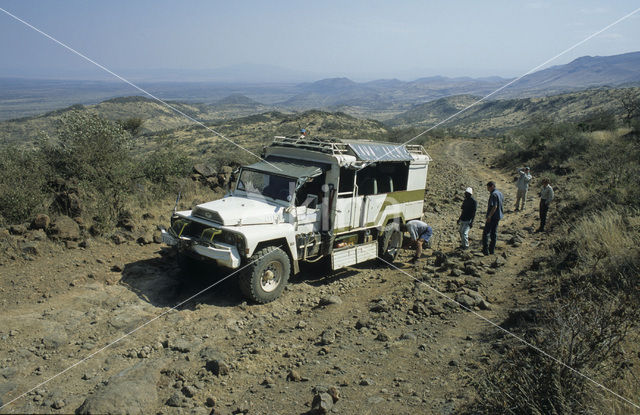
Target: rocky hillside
[[365, 339], [496, 117], [155, 115]]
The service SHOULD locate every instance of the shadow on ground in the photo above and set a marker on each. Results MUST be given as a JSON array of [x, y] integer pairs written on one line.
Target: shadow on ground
[[160, 282]]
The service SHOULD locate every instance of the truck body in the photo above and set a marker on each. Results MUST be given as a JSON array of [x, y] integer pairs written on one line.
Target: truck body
[[307, 199]]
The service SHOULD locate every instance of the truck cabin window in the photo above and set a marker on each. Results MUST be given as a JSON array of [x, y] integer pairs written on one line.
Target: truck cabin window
[[310, 193], [262, 184], [377, 178]]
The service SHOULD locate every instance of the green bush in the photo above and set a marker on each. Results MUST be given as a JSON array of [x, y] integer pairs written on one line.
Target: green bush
[[132, 125], [545, 144], [23, 184], [598, 121], [164, 164], [94, 153], [88, 147], [564, 146]]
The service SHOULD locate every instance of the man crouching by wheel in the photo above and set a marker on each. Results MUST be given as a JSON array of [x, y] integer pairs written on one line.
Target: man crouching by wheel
[[420, 234]]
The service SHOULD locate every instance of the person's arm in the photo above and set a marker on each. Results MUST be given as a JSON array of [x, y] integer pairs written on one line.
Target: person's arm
[[419, 248], [491, 212], [474, 207]]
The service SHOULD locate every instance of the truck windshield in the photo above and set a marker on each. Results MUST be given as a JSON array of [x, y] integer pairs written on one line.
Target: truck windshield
[[265, 184]]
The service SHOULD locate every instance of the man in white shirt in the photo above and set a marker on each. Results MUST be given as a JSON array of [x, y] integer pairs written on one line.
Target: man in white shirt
[[523, 186]]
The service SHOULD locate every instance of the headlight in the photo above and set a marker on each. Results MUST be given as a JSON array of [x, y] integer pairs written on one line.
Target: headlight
[[230, 238]]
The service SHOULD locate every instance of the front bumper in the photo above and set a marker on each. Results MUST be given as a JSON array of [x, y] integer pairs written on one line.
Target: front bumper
[[224, 254]]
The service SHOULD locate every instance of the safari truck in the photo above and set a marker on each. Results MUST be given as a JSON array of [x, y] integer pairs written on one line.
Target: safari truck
[[307, 200]]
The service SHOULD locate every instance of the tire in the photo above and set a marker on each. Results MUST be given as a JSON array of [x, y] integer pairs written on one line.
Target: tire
[[265, 278], [389, 243]]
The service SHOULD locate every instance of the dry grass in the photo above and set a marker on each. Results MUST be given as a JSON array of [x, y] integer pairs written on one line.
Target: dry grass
[[605, 238]]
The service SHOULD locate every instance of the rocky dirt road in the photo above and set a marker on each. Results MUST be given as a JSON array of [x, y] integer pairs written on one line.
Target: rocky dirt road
[[368, 339]]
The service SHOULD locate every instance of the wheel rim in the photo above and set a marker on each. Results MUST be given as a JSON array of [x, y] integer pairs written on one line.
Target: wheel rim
[[271, 276]]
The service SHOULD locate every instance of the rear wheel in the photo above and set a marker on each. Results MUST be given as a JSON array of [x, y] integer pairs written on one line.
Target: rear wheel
[[390, 242], [264, 279]]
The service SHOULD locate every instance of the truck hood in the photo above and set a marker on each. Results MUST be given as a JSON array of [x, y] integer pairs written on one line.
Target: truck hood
[[232, 211]]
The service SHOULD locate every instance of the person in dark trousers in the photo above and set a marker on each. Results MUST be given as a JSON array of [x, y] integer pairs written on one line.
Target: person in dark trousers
[[546, 196], [420, 233], [465, 221], [494, 214]]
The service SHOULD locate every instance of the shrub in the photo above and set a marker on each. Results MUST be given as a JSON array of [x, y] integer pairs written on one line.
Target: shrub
[[23, 184], [94, 152], [595, 306], [164, 164], [545, 145], [601, 120], [563, 146], [132, 125]]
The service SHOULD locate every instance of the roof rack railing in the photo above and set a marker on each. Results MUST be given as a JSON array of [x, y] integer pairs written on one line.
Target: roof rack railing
[[331, 146], [324, 146], [416, 149]]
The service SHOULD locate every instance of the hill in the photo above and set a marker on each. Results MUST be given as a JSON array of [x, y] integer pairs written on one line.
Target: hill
[[255, 131], [584, 72], [496, 117], [380, 99], [155, 115]]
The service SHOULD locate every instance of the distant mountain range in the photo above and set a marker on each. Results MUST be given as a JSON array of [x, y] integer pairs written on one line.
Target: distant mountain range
[[380, 99]]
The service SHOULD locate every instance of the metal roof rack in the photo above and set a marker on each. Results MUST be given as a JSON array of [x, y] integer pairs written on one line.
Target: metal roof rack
[[335, 146], [416, 149], [331, 146]]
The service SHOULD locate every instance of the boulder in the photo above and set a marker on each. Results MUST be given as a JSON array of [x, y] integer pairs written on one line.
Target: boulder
[[322, 403], [226, 170], [17, 229], [132, 391], [30, 248], [204, 170], [67, 202], [214, 361], [40, 222], [64, 228]]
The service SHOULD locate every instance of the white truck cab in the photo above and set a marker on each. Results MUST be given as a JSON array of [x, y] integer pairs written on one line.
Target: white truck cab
[[307, 199]]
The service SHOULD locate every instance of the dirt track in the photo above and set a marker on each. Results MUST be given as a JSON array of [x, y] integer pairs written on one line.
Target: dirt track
[[387, 343]]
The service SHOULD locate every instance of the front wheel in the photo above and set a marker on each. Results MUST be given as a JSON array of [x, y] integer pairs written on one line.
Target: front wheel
[[264, 279], [389, 243]]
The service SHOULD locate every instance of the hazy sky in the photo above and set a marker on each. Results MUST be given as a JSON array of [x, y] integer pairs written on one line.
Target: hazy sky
[[359, 39]]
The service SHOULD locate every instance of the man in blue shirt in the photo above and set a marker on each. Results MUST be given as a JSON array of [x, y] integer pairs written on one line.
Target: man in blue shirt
[[494, 214]]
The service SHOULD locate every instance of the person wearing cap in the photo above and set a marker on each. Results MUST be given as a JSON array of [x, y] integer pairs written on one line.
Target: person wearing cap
[[303, 134], [546, 196], [465, 221], [522, 187]]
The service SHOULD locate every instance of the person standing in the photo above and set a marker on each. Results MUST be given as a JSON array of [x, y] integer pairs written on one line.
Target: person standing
[[524, 177], [494, 214], [546, 196], [420, 233], [465, 221]]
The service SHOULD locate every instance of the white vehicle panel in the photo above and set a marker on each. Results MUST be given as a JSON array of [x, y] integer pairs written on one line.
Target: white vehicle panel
[[350, 256]]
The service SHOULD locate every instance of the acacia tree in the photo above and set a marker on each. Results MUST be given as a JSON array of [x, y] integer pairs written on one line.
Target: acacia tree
[[630, 101], [94, 153]]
